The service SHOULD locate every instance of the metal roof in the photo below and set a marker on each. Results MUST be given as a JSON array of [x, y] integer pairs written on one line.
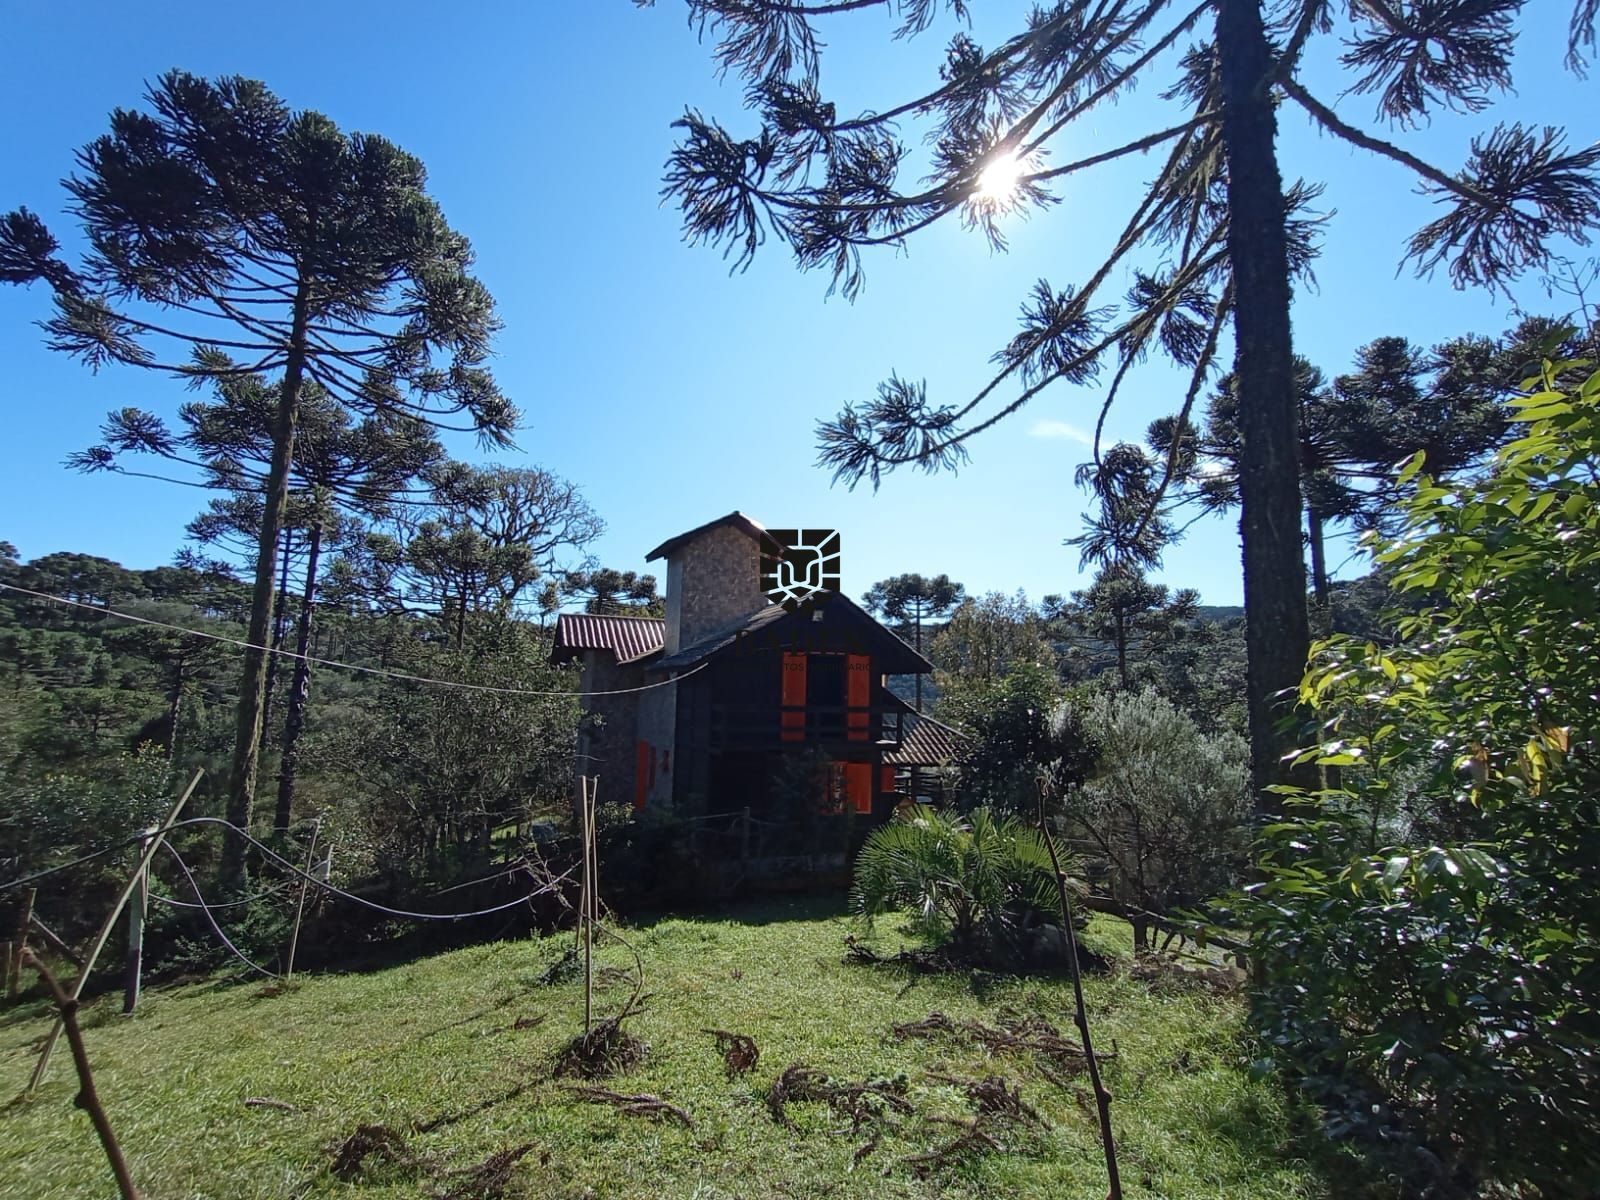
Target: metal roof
[[925, 742], [629, 638]]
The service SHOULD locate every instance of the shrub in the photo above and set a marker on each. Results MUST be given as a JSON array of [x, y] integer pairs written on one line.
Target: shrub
[[1010, 737], [972, 881], [1445, 986], [1166, 808]]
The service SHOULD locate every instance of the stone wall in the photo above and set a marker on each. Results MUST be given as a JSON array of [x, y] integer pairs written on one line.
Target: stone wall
[[609, 749], [711, 583]]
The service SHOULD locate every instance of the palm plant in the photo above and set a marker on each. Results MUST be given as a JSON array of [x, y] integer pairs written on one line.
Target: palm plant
[[968, 879]]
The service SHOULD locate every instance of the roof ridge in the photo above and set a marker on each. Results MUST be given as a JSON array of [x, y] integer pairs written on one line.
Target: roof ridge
[[629, 616]]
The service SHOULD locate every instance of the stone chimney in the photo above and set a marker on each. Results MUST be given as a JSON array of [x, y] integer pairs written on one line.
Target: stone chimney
[[713, 578]]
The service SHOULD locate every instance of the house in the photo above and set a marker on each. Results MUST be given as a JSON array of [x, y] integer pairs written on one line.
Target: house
[[708, 709]]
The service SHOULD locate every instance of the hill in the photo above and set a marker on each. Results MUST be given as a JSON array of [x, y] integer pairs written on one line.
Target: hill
[[462, 1045]]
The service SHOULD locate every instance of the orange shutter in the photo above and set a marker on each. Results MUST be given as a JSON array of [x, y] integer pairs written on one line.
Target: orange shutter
[[640, 771], [886, 779], [858, 696], [792, 726], [858, 785]]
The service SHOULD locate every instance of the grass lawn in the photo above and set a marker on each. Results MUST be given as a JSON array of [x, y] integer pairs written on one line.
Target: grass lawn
[[435, 1037]]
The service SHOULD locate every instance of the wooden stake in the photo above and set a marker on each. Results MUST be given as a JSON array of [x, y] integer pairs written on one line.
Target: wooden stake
[[53, 940], [99, 942], [1102, 1098], [585, 908], [300, 904], [594, 848], [18, 947], [137, 907], [87, 1098]]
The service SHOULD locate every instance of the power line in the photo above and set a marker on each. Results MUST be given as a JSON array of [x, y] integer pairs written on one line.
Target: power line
[[403, 676]]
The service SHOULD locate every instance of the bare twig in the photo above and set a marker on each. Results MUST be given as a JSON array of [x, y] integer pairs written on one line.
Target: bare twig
[[489, 1179], [87, 1098], [369, 1141], [639, 1105], [1080, 1010], [739, 1051], [973, 1139], [861, 1102], [992, 1096]]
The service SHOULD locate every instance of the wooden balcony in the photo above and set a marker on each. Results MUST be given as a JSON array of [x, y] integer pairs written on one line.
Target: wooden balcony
[[830, 727]]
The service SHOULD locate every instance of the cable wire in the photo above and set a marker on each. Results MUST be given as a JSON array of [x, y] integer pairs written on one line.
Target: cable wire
[[405, 914], [263, 894], [295, 869], [215, 928], [344, 666], [23, 880]]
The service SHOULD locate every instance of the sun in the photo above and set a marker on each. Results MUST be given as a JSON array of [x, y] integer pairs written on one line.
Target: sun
[[998, 182]]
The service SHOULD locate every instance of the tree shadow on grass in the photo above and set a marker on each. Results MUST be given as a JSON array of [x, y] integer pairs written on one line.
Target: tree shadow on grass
[[752, 911], [1263, 1137]]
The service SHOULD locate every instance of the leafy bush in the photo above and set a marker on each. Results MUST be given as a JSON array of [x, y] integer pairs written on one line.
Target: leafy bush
[[972, 881], [50, 818], [1446, 985], [1011, 738], [1167, 808]]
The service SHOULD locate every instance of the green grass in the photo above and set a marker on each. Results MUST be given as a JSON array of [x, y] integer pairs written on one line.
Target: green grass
[[407, 1043]]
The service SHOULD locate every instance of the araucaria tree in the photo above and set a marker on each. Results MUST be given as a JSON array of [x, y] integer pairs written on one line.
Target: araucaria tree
[[230, 236], [914, 599], [1216, 240]]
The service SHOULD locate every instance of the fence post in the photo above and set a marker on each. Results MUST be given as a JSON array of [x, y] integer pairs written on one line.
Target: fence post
[[300, 905], [585, 907], [15, 949], [138, 905]]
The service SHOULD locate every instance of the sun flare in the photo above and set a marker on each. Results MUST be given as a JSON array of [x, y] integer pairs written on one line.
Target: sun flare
[[998, 182]]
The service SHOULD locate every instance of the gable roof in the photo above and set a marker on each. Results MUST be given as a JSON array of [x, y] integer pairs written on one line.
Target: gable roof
[[775, 627], [738, 520], [629, 638]]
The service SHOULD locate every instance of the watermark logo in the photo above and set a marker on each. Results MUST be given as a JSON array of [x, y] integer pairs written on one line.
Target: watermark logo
[[800, 564]]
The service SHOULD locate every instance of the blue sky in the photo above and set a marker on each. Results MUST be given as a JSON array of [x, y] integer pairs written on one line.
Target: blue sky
[[670, 390]]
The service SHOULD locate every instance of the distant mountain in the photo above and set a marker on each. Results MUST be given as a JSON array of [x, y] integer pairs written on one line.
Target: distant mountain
[[1220, 612]]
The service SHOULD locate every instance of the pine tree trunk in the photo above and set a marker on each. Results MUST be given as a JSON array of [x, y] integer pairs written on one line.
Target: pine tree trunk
[[919, 673], [1277, 634], [253, 685], [175, 710], [280, 630], [299, 691], [1320, 591]]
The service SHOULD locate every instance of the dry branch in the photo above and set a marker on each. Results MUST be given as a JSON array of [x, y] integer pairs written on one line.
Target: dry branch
[[369, 1141], [973, 1139], [487, 1180], [87, 1098], [862, 1102], [991, 1096], [640, 1105], [1016, 1033], [739, 1051]]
